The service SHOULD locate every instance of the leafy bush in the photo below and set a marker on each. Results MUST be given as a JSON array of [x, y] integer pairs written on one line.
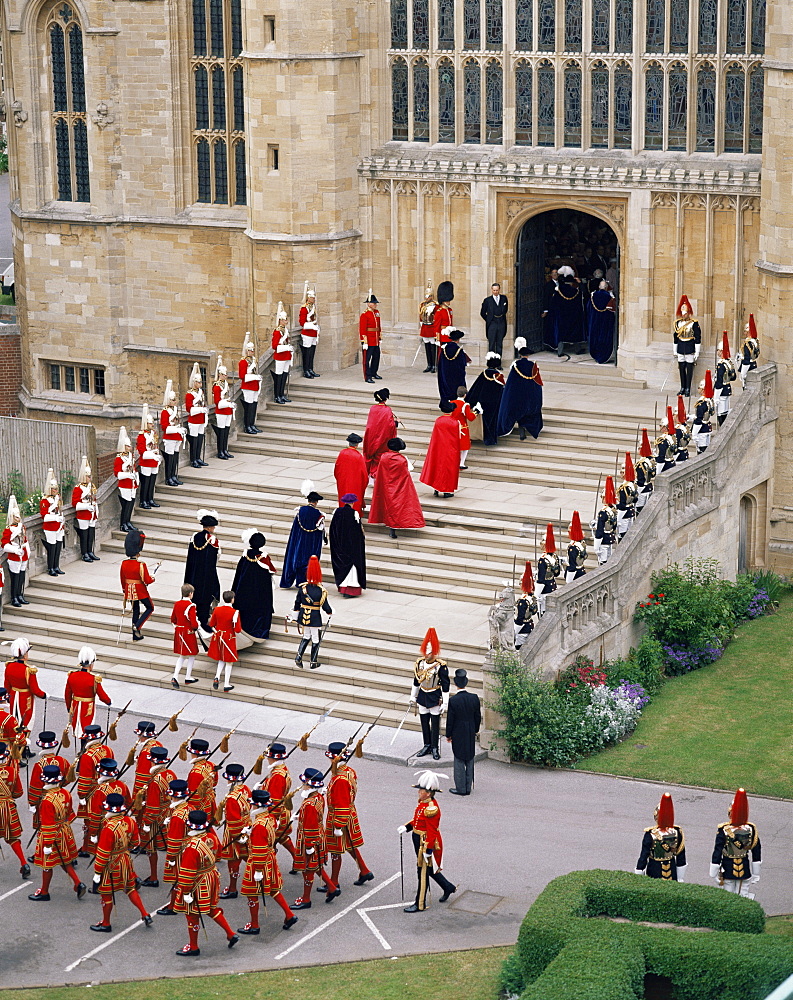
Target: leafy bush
[[644, 665], [3, 155], [770, 583], [30, 505]]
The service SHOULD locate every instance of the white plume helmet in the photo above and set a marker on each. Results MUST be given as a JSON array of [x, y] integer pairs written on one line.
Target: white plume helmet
[[430, 781], [520, 343], [84, 475], [169, 396], [13, 516], [123, 440], [280, 315], [566, 271], [195, 374], [248, 344], [428, 291], [86, 656], [145, 417], [19, 647], [204, 512], [491, 355], [308, 289], [306, 487], [50, 483]]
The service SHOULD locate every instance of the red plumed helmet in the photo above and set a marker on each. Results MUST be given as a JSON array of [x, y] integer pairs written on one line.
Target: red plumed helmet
[[609, 495], [725, 345], [527, 580], [630, 474], [670, 420], [682, 416], [707, 392], [752, 327], [739, 810], [684, 301], [645, 451], [666, 813], [314, 571], [430, 645], [576, 534], [550, 541]]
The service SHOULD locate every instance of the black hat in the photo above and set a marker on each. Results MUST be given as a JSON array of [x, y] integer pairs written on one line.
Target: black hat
[[276, 751], [133, 543], [114, 802], [382, 395], [233, 772], [257, 541], [158, 754], [396, 444], [4, 692], [197, 819], [334, 749], [143, 728], [445, 291], [47, 739], [456, 334], [178, 789], [108, 766], [355, 438], [198, 747], [314, 497], [208, 521], [446, 406], [260, 797], [92, 733], [51, 774], [460, 678], [371, 297], [312, 777]]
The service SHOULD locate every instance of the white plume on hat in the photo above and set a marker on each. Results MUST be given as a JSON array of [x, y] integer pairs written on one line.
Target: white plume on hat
[[220, 368], [195, 374], [50, 482], [123, 439], [566, 271], [169, 396], [85, 470], [247, 534], [520, 343], [86, 655], [145, 417], [19, 646], [248, 344], [306, 487], [492, 354], [280, 313], [203, 512], [13, 512], [430, 781]]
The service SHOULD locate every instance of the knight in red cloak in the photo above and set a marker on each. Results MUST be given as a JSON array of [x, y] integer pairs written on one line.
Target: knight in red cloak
[[381, 427], [350, 472], [395, 502], [441, 469]]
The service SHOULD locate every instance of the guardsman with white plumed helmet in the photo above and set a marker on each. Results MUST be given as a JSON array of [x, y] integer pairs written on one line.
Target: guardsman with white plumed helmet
[[251, 380], [148, 460], [171, 435], [197, 417], [51, 510], [224, 409]]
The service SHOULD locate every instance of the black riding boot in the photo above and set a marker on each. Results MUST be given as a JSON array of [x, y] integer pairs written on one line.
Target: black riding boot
[[254, 407], [306, 363], [83, 535], [431, 351], [435, 731], [21, 588], [284, 396], [300, 650], [681, 367], [314, 656], [199, 449], [311, 352], [15, 601], [56, 560], [122, 523], [91, 543], [218, 441], [424, 719], [225, 431], [50, 547]]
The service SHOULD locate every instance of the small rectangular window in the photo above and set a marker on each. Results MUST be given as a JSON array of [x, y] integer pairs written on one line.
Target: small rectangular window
[[69, 380], [99, 382], [55, 376], [269, 29], [272, 158], [85, 381]]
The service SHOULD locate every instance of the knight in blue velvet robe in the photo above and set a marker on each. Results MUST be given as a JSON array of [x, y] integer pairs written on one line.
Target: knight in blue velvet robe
[[452, 362], [305, 540], [600, 322], [521, 401]]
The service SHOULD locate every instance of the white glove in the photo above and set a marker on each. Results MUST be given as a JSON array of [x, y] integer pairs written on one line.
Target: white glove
[[258, 876], [696, 353], [714, 870], [146, 829], [402, 829], [310, 850], [477, 408], [81, 801], [411, 701], [169, 864], [187, 898], [445, 701], [31, 809], [47, 850], [97, 878], [290, 616], [245, 831], [638, 871], [94, 840], [338, 833]]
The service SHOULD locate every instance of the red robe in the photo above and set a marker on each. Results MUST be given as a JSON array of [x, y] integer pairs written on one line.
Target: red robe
[[464, 415], [441, 469], [351, 475], [381, 427], [394, 499]]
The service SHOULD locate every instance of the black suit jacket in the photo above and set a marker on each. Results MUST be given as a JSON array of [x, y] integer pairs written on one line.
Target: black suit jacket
[[495, 315], [463, 720]]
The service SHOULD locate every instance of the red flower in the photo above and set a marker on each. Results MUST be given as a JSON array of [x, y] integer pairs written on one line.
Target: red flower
[[660, 595]]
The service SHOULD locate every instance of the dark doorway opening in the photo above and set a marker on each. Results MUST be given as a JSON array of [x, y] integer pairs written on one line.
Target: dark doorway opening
[[549, 240]]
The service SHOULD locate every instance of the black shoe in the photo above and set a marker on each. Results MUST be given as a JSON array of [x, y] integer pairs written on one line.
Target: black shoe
[[436, 754], [51, 572], [137, 637], [24, 871], [39, 897], [174, 682], [369, 380], [148, 920], [289, 923], [194, 465], [523, 433], [301, 904], [153, 503], [59, 571], [94, 557], [87, 558], [411, 909], [80, 889], [228, 687], [221, 457], [363, 879], [166, 911], [16, 603], [392, 533], [429, 368], [229, 894], [144, 505], [248, 930], [315, 374], [321, 888], [453, 791], [101, 928], [682, 392], [448, 893], [150, 883], [83, 854], [188, 952], [379, 378], [202, 464], [178, 481], [332, 895], [233, 940], [425, 750], [191, 680]]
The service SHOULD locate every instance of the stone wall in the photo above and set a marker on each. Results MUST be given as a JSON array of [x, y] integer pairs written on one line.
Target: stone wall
[[10, 369]]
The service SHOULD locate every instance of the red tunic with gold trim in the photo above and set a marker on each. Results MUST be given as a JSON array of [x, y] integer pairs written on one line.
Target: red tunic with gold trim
[[369, 329], [237, 813], [135, 580], [10, 789], [95, 807], [185, 622], [143, 765], [427, 824], [342, 814], [444, 316], [87, 779], [225, 620], [311, 833], [14, 542], [261, 858], [56, 816], [22, 686], [177, 838], [200, 771], [119, 835], [277, 783], [9, 728], [82, 689], [155, 811], [36, 785], [198, 874], [85, 506]]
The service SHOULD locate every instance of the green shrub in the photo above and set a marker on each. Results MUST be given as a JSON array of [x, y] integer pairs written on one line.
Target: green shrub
[[771, 583], [644, 665], [30, 505], [67, 481], [510, 978]]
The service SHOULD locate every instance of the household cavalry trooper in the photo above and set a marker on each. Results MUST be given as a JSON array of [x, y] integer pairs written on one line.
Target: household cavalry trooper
[[549, 569], [682, 433], [666, 443], [179, 794], [427, 327], [427, 841], [11, 789], [310, 601], [342, 829], [604, 527], [149, 460], [737, 854], [251, 384], [370, 333], [282, 356], [627, 496], [15, 544], [233, 813], [645, 471], [687, 338], [704, 409], [750, 350], [663, 853], [197, 417], [86, 512], [725, 376], [430, 691], [576, 550], [113, 870], [171, 435], [309, 330], [525, 608], [83, 687], [127, 478], [53, 523], [224, 409], [55, 846], [262, 876]]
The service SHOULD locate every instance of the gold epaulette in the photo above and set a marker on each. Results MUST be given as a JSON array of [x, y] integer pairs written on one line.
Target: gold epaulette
[[432, 809], [98, 678]]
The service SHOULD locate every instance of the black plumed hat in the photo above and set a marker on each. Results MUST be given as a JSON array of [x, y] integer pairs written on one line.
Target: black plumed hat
[[445, 291]]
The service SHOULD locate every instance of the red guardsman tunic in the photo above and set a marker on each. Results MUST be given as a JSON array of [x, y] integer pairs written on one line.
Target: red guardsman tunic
[[177, 838], [87, 780], [10, 789], [119, 835], [56, 816], [261, 858], [95, 807], [82, 689], [143, 764], [311, 833], [444, 316], [369, 328], [135, 579], [36, 786], [155, 811], [237, 813], [185, 620], [427, 824], [342, 814], [22, 686], [201, 770], [198, 874]]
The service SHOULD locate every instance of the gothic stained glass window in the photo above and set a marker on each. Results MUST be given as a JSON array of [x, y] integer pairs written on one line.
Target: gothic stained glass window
[[204, 171], [708, 21], [546, 24], [240, 192], [472, 104], [523, 97], [236, 27], [655, 26], [199, 28], [77, 71], [572, 105], [421, 24], [756, 86], [399, 100], [218, 98], [623, 26], [216, 26], [600, 25], [653, 107], [471, 26], [758, 26], [239, 103], [546, 106], [736, 25], [64, 161], [573, 25], [201, 98], [399, 24], [623, 106], [706, 109], [600, 106], [678, 26], [68, 106], [524, 9], [60, 100], [445, 101], [494, 103], [445, 24], [421, 101], [221, 173], [734, 96], [678, 107], [494, 24]]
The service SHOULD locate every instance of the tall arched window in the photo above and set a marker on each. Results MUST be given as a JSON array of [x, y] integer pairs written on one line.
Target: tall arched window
[[494, 103], [546, 105], [546, 25], [523, 101], [421, 101], [734, 98], [653, 107], [68, 105], [524, 41], [421, 24], [708, 24], [572, 105], [706, 109], [573, 25], [758, 26], [655, 26], [472, 102], [756, 87], [445, 24], [600, 25], [472, 35], [678, 26], [678, 106], [399, 100], [445, 101], [494, 24], [736, 25], [399, 24], [600, 106], [218, 91], [623, 105], [623, 26]]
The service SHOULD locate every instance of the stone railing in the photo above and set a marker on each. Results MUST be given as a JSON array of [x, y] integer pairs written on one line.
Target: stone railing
[[695, 511]]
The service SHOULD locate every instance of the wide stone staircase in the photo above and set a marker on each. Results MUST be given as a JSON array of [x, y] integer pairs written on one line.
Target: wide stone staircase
[[445, 575]]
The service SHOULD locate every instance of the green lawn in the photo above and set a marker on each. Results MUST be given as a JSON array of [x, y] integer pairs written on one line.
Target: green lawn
[[469, 974], [724, 725]]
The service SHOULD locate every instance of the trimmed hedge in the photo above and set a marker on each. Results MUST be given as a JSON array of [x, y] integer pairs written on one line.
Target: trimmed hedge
[[564, 951]]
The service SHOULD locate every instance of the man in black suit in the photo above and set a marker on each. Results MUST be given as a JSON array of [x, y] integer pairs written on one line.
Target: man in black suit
[[463, 719], [494, 313]]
